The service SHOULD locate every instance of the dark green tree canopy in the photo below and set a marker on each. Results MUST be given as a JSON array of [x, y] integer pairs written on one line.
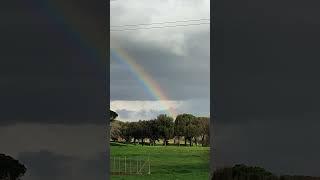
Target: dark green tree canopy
[[181, 122], [11, 168], [241, 169], [166, 127], [163, 127]]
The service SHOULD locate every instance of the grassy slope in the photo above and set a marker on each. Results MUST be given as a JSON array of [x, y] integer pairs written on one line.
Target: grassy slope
[[171, 162]]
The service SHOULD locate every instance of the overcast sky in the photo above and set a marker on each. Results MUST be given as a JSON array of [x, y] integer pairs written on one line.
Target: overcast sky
[[176, 58], [265, 78]]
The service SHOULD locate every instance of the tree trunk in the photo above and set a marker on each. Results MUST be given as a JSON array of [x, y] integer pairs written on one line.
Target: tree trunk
[[185, 141], [179, 140], [202, 140], [190, 140]]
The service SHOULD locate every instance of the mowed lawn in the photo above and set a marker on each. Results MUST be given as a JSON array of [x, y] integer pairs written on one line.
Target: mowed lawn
[[167, 162]]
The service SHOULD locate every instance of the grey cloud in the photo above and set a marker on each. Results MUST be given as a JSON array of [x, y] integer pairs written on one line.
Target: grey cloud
[[180, 77], [124, 113], [151, 113], [197, 107]]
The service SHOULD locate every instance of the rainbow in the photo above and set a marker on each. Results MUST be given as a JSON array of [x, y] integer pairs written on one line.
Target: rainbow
[[70, 20], [61, 11], [144, 78]]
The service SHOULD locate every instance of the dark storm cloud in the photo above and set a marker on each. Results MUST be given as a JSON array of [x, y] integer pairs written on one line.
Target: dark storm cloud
[[48, 165], [180, 76], [50, 66], [265, 84]]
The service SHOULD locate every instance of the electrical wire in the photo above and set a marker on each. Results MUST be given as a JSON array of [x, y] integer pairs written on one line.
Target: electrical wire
[[166, 22], [158, 27]]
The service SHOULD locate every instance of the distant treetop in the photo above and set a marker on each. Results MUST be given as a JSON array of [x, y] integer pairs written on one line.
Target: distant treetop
[[113, 115], [10, 168]]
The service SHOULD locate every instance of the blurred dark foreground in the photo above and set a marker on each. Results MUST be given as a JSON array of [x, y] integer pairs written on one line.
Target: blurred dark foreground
[[242, 172]]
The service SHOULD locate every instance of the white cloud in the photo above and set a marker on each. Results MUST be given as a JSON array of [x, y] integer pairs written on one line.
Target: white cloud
[[144, 105], [146, 110], [173, 39]]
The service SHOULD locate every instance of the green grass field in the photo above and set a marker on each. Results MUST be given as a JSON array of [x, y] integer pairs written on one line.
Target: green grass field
[[167, 163]]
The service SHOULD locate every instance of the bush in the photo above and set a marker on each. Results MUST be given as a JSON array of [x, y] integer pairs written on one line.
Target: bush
[[243, 172]]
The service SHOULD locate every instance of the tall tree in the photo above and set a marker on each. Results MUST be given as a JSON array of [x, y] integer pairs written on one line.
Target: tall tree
[[10, 168], [189, 127], [116, 130], [204, 129], [166, 127], [153, 131], [179, 126], [126, 131], [192, 131], [143, 129], [135, 130]]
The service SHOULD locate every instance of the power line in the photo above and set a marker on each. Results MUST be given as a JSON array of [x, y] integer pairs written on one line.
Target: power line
[[166, 22], [158, 27]]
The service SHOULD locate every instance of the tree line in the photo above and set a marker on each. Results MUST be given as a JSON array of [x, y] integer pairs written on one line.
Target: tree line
[[194, 130]]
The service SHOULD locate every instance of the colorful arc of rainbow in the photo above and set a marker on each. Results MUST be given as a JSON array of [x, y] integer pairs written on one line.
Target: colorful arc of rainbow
[[145, 79]]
